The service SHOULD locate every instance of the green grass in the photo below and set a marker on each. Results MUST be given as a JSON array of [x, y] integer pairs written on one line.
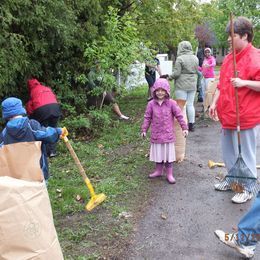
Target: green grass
[[115, 164]]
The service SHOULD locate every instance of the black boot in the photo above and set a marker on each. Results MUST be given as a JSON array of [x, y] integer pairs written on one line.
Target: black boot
[[191, 127]]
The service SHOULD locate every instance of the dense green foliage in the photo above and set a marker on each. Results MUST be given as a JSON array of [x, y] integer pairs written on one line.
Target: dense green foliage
[[118, 47], [58, 41], [36, 38], [218, 14], [165, 23]]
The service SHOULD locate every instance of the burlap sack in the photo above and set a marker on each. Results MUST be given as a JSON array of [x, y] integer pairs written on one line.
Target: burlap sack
[[26, 222], [180, 144]]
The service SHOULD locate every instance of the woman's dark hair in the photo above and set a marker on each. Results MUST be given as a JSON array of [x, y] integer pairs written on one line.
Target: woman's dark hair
[[242, 26]]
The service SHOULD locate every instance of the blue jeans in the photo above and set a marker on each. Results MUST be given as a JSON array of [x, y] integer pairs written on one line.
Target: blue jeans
[[249, 225]]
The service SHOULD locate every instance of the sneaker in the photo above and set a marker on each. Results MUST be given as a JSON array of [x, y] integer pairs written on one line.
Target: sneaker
[[124, 117], [53, 154], [231, 241], [242, 197], [222, 186]]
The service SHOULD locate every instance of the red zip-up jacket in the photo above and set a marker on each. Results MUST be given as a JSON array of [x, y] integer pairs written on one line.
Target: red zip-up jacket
[[40, 96], [248, 67]]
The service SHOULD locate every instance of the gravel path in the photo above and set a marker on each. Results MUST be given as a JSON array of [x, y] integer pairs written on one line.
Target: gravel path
[[181, 218]]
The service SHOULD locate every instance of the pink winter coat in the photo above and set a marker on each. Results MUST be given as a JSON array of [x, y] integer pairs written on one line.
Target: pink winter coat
[[161, 117], [208, 72]]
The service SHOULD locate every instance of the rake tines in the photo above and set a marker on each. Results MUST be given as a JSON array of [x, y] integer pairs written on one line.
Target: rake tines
[[240, 178]]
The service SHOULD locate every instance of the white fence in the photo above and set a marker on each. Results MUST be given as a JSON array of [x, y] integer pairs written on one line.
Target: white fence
[[136, 76]]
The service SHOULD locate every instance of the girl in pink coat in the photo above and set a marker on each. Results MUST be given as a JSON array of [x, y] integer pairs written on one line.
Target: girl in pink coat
[[207, 70], [160, 113]]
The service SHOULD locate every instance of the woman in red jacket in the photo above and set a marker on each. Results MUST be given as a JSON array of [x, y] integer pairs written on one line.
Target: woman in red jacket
[[223, 104], [43, 107]]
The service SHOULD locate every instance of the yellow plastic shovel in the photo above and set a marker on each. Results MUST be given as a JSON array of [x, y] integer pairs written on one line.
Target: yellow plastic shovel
[[212, 164], [95, 199]]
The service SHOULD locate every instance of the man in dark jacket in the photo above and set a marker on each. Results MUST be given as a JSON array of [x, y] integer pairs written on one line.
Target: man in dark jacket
[[44, 108]]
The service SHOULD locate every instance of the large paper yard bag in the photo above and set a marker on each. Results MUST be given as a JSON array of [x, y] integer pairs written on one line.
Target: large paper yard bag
[[211, 88], [26, 223], [21, 161], [180, 144]]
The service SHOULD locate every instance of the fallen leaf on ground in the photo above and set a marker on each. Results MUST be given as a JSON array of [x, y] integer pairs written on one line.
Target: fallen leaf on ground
[[163, 216], [100, 146], [125, 215], [78, 198]]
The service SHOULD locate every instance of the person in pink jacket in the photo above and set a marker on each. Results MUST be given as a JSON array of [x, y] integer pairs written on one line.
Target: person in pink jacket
[[160, 113], [207, 70]]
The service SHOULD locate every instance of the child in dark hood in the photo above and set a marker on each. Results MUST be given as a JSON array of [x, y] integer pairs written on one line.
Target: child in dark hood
[[20, 129], [43, 107], [160, 113]]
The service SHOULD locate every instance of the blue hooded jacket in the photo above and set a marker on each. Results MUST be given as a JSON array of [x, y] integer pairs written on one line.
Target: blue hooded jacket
[[22, 129]]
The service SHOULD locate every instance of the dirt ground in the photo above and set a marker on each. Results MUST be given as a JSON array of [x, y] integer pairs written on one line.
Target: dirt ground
[[180, 220]]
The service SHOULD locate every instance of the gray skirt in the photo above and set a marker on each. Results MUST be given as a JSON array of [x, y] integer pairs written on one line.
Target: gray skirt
[[162, 152]]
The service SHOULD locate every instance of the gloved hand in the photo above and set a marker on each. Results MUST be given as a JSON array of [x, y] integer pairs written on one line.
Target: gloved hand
[[64, 132]]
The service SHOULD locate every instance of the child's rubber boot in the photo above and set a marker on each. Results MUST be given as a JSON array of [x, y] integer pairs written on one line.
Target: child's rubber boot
[[169, 174], [158, 171]]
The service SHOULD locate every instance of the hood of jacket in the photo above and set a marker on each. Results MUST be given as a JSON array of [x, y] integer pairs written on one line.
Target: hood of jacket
[[184, 47], [163, 84], [32, 83], [12, 107], [17, 127]]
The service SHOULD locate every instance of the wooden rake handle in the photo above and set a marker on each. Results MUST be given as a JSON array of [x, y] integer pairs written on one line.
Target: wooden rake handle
[[235, 74], [75, 157], [79, 165]]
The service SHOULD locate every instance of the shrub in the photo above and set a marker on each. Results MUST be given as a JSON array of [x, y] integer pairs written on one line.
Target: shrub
[[78, 125], [100, 119]]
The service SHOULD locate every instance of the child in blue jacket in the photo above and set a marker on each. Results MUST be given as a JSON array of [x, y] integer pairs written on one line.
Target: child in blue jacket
[[20, 128]]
